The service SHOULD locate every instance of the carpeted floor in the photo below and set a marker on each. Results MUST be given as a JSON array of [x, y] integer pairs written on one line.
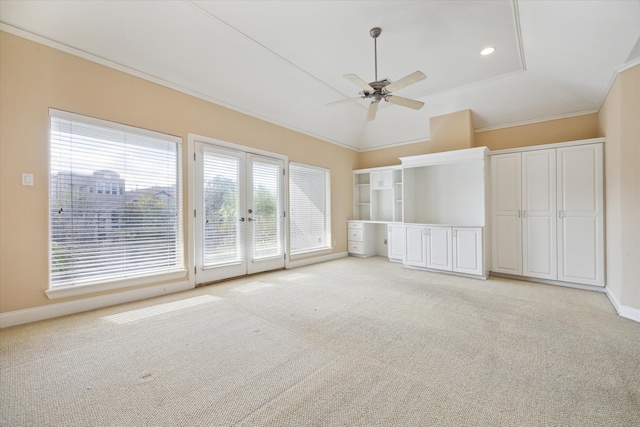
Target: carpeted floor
[[351, 342]]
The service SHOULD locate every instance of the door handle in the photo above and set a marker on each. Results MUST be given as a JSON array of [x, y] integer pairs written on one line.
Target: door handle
[[242, 219], [250, 219]]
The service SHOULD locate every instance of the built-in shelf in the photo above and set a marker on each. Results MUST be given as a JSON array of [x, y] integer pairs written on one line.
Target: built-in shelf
[[378, 194]]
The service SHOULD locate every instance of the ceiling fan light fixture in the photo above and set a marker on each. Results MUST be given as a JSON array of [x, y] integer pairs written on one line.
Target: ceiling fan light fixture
[[379, 90], [487, 51]]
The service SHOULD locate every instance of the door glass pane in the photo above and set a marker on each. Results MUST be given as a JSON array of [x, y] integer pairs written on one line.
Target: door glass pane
[[267, 210], [222, 237]]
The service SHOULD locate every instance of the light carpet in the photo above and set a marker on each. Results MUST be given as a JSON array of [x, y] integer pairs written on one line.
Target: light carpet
[[351, 342]]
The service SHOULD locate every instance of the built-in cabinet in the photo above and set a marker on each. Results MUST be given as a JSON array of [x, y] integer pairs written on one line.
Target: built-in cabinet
[[445, 248], [378, 194], [535, 212], [468, 250], [446, 202], [361, 238], [381, 179], [548, 213], [395, 242]]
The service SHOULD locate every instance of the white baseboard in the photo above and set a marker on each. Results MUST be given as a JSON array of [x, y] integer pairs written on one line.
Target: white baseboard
[[18, 317], [623, 310], [315, 260]]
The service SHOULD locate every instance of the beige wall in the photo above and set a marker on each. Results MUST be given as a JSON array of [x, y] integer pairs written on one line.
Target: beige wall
[[448, 132], [35, 78], [548, 132], [619, 120]]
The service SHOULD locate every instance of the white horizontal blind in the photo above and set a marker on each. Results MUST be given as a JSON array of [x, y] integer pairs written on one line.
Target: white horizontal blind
[[310, 206], [222, 239], [115, 201], [267, 210]]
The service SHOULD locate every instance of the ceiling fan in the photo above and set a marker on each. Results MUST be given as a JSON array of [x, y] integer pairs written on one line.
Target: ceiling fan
[[381, 89]]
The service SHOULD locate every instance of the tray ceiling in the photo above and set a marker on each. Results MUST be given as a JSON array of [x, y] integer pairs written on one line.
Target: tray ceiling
[[283, 61]]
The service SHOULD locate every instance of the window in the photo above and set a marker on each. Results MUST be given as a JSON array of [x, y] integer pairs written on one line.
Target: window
[[310, 206], [131, 226]]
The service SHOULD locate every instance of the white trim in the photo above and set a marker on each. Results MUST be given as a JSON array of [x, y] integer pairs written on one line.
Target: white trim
[[533, 121], [93, 288], [192, 140], [377, 168], [613, 78], [516, 22], [395, 144], [67, 115], [315, 260], [19, 317], [548, 146], [308, 252], [623, 310], [594, 288]]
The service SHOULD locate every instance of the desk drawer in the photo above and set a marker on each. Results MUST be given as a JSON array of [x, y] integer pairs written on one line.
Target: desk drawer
[[352, 225], [355, 235], [356, 248]]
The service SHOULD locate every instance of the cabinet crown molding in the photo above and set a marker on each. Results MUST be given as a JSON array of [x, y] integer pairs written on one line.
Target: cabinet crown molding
[[455, 156]]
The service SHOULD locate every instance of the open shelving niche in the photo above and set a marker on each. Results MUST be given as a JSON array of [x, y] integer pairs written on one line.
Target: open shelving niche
[[448, 188], [378, 203]]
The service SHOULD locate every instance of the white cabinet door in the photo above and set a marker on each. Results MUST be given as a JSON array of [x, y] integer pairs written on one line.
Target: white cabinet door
[[396, 242], [439, 250], [580, 215], [467, 250], [415, 245], [506, 244], [539, 257], [382, 178]]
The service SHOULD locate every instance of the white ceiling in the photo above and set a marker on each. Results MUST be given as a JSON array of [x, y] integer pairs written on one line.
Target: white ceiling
[[283, 61]]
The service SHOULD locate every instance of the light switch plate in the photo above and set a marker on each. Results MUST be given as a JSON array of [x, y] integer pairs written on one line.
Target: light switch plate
[[27, 179]]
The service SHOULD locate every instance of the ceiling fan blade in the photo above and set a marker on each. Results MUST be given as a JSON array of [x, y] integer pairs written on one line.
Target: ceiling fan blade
[[405, 102], [412, 78], [373, 109], [344, 101], [359, 82]]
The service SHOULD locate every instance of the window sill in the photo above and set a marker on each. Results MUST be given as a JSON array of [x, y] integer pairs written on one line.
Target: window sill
[[93, 288], [311, 252]]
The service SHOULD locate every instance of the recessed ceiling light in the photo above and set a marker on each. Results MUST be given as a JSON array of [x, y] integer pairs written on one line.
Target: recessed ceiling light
[[487, 51]]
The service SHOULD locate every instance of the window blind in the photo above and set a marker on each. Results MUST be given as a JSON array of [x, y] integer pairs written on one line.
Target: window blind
[[115, 201], [267, 210], [222, 231], [310, 206]]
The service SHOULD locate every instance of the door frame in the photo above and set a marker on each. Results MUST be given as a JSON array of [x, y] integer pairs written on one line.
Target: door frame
[[190, 243]]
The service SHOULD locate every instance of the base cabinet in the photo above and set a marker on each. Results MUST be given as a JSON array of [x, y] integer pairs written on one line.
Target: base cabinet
[[467, 250], [361, 239], [444, 248], [439, 249], [395, 242], [415, 245]]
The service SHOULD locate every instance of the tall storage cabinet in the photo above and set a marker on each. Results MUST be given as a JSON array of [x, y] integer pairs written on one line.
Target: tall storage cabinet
[[539, 214], [581, 215], [547, 214]]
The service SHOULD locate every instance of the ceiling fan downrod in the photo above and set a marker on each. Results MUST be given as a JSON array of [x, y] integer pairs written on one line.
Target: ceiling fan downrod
[[375, 32]]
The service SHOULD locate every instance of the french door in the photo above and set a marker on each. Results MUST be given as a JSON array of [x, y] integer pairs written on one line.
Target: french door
[[239, 213]]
